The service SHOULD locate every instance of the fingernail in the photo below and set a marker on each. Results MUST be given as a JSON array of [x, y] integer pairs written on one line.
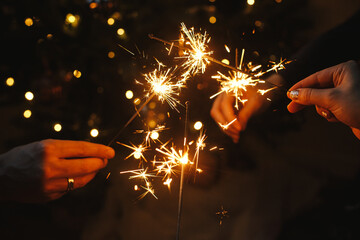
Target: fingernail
[[294, 94], [325, 114]]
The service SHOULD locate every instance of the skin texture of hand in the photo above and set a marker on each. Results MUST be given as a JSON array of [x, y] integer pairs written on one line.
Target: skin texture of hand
[[223, 111], [334, 91], [38, 172]]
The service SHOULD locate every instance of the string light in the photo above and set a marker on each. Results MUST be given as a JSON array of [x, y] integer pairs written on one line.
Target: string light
[[57, 127], [27, 114], [10, 81], [94, 132], [29, 96]]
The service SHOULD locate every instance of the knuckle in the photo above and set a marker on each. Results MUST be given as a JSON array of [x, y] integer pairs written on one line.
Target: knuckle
[[48, 147], [306, 95]]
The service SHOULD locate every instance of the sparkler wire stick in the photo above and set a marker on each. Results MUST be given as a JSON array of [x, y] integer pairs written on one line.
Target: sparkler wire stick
[[132, 118], [182, 177]]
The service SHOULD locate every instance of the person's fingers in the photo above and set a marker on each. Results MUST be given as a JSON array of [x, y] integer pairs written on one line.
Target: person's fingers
[[73, 167], [311, 96], [73, 149], [321, 79], [325, 113], [356, 132], [249, 109], [294, 107], [60, 185], [228, 113]]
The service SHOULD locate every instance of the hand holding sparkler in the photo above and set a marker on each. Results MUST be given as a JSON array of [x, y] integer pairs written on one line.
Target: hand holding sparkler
[[41, 171], [338, 98], [224, 113]]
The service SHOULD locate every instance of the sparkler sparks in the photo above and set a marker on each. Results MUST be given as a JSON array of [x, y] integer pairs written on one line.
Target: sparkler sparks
[[222, 214], [162, 84], [226, 126], [137, 151], [195, 56]]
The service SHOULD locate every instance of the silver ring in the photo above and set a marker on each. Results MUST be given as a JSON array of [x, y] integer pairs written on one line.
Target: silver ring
[[70, 182]]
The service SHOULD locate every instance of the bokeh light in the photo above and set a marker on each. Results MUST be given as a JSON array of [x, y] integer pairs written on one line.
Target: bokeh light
[[29, 96], [120, 31], [198, 125], [152, 124], [111, 54], [57, 127], [154, 135], [137, 101], [94, 132], [212, 19], [77, 73], [27, 113], [29, 22], [251, 2], [129, 94], [111, 21], [10, 81]]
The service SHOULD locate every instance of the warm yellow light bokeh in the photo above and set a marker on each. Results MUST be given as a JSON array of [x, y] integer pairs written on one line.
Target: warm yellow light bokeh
[[111, 21], [94, 132], [10, 81], [120, 31], [77, 73], [251, 2], [29, 96], [137, 101], [129, 94], [27, 114], [198, 125], [29, 22], [212, 19], [154, 135], [57, 127]]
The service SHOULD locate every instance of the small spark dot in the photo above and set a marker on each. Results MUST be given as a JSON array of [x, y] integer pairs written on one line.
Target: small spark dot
[[136, 187], [29, 96], [27, 114], [226, 61], [10, 81], [94, 132], [29, 22], [129, 94], [57, 127], [198, 125]]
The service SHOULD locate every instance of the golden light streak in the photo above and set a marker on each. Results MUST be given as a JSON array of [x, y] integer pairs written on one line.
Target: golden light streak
[[226, 126]]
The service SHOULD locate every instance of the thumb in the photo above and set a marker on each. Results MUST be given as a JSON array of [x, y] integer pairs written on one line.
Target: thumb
[[311, 96]]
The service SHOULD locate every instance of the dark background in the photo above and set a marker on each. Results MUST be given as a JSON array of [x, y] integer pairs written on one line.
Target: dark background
[[290, 177]]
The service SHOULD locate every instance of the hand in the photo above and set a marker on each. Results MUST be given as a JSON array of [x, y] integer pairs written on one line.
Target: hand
[[223, 111], [38, 171], [334, 91]]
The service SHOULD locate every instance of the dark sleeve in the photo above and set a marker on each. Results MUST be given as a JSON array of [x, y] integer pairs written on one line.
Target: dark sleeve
[[336, 46]]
